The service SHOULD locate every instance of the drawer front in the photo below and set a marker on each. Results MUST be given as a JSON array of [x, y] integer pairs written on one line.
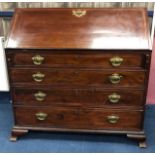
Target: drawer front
[[83, 59], [79, 118], [78, 97], [72, 77]]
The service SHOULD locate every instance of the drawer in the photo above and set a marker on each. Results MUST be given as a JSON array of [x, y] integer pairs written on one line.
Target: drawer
[[81, 59], [78, 97], [71, 77], [78, 118]]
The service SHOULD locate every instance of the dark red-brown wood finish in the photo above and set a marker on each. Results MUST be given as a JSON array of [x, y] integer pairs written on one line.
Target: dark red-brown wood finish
[[92, 97], [79, 70], [94, 29]]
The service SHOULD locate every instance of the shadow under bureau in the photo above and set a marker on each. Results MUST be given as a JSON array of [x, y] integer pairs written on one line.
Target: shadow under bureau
[[79, 70]]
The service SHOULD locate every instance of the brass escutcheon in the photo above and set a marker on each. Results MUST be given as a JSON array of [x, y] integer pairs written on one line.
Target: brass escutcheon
[[37, 59], [113, 119], [115, 78], [79, 13], [38, 77], [40, 96], [114, 98], [116, 61], [41, 116]]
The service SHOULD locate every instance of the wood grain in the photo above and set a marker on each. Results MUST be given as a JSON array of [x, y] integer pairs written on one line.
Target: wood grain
[[78, 118], [77, 59], [76, 68], [79, 77], [80, 33], [78, 97]]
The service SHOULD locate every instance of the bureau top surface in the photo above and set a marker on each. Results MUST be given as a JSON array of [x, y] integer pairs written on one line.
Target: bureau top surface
[[79, 29]]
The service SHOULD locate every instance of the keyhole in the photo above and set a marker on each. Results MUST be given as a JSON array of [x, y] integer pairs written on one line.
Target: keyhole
[[60, 116]]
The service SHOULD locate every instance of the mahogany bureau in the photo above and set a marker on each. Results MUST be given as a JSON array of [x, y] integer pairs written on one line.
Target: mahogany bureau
[[79, 70]]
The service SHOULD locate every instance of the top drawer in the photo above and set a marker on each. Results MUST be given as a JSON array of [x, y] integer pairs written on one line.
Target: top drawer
[[83, 59]]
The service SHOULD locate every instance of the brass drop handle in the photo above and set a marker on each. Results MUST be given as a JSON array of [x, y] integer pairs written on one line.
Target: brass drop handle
[[113, 119], [40, 96], [116, 61], [115, 78], [114, 98], [41, 116], [37, 59], [38, 77]]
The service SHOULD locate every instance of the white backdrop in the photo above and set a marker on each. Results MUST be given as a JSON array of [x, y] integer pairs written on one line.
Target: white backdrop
[[3, 72]]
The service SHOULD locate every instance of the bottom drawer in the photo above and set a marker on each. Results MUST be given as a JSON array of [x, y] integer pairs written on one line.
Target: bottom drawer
[[74, 118]]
